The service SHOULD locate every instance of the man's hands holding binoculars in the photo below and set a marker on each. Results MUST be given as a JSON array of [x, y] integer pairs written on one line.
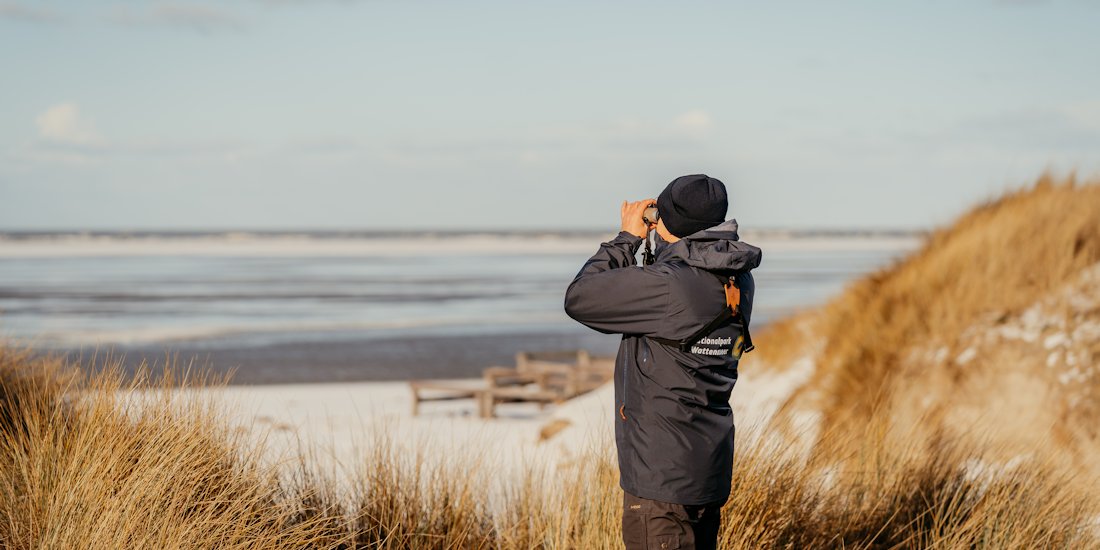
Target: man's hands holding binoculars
[[633, 214]]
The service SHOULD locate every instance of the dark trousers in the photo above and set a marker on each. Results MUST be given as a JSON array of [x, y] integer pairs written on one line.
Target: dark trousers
[[654, 525]]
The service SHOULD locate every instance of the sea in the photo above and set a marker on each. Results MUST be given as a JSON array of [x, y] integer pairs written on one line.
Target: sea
[[328, 306]]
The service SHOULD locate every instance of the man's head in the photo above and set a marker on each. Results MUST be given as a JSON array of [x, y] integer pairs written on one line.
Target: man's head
[[690, 204]]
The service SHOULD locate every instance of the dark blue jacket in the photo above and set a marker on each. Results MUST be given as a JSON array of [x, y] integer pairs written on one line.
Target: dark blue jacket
[[674, 426]]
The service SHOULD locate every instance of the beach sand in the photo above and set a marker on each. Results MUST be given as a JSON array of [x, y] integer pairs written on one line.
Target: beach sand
[[337, 422]]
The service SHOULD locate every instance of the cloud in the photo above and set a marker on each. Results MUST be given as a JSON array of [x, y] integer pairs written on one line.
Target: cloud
[[1085, 113], [66, 136], [694, 120], [195, 17], [15, 10], [64, 124]]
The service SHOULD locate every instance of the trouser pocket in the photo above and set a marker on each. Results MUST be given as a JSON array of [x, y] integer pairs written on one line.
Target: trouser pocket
[[654, 525]]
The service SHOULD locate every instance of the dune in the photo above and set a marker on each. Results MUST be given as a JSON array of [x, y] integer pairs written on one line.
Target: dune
[[989, 333]]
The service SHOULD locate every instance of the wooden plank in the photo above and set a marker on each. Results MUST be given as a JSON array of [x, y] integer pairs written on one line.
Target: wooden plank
[[450, 391]]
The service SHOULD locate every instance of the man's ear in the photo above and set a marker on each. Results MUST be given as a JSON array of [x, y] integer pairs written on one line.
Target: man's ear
[[663, 232]]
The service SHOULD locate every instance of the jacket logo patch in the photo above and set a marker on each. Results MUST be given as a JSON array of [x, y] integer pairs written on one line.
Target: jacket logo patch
[[713, 346], [720, 346]]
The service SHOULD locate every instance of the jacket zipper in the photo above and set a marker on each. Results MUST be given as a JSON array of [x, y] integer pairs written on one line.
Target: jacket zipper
[[622, 406]]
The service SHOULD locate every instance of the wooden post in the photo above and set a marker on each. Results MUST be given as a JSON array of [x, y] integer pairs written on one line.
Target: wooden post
[[485, 404]]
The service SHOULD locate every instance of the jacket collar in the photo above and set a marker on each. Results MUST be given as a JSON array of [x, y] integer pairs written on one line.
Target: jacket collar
[[717, 248]]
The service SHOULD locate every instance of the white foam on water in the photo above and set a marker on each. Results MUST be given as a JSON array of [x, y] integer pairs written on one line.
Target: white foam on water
[[246, 245], [170, 334]]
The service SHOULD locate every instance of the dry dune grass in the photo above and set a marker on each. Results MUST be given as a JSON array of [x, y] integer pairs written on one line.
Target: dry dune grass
[[91, 462], [80, 467], [902, 497]]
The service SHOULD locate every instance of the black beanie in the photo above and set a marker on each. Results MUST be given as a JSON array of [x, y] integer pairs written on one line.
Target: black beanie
[[692, 203]]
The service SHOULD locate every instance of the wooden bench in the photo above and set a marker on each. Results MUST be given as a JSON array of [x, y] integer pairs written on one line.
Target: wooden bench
[[544, 378], [491, 397], [538, 377], [436, 390], [546, 369]]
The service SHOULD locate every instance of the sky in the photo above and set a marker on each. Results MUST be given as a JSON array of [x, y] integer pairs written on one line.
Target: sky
[[414, 114]]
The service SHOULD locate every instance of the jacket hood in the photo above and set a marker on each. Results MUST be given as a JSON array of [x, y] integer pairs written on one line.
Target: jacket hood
[[716, 249]]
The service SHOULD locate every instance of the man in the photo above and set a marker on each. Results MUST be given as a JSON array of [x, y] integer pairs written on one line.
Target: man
[[673, 423]]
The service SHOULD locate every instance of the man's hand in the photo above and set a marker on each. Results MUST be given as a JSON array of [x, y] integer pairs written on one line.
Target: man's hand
[[632, 217]]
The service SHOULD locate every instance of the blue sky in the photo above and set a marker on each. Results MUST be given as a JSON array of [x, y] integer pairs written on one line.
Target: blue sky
[[414, 114]]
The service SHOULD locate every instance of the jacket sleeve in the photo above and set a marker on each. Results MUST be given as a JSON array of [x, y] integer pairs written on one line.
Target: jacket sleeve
[[612, 295]]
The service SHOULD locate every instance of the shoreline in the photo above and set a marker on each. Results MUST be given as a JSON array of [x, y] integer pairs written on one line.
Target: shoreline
[[376, 359]]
